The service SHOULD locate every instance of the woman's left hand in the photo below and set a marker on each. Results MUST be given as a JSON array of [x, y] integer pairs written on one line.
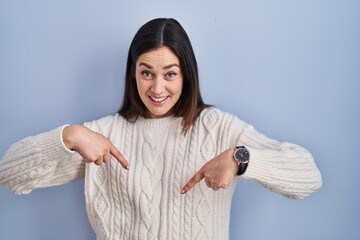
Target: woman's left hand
[[218, 172]]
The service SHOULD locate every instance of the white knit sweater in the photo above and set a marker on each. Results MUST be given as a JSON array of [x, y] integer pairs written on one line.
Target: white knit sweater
[[145, 202]]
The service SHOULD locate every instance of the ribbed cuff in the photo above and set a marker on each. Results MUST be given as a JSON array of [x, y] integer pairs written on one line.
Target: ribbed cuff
[[52, 144], [260, 166]]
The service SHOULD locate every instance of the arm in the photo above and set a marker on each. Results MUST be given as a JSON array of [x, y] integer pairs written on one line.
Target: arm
[[45, 160], [40, 161], [281, 167]]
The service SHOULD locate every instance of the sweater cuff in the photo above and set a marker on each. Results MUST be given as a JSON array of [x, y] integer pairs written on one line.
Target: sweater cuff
[[62, 139], [259, 167], [52, 144]]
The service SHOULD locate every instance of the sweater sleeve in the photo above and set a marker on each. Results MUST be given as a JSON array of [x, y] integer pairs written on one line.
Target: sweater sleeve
[[40, 161], [282, 167]]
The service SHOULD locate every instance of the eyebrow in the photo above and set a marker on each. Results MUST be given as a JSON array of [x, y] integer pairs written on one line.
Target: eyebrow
[[165, 67]]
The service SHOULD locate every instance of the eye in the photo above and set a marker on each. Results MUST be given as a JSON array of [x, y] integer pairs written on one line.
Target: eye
[[170, 75], [146, 74]]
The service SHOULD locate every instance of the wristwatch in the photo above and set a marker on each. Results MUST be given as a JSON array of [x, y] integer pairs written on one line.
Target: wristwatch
[[241, 156]]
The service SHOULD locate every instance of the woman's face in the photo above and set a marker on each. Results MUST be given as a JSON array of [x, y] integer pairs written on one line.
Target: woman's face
[[159, 81]]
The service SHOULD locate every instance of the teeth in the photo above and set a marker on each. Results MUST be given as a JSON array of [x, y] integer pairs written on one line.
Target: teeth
[[158, 99]]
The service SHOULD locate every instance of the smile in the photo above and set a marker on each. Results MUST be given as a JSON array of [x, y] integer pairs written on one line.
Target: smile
[[159, 100]]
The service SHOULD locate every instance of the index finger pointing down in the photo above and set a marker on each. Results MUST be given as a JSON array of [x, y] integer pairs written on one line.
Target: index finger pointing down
[[193, 181], [118, 156]]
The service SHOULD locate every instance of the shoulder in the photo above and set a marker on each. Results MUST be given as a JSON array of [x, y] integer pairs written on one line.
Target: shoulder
[[212, 115], [216, 119], [105, 123]]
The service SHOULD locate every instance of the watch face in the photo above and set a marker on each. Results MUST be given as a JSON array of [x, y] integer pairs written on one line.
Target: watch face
[[242, 154]]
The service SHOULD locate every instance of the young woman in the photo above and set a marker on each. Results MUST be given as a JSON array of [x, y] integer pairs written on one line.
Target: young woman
[[166, 165]]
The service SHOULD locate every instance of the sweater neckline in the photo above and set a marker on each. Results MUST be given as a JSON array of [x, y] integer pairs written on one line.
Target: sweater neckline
[[158, 122]]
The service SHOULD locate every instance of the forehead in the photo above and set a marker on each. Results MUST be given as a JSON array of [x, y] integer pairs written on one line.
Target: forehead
[[158, 57]]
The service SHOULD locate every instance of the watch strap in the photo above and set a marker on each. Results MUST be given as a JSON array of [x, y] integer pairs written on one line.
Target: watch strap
[[242, 168], [243, 164]]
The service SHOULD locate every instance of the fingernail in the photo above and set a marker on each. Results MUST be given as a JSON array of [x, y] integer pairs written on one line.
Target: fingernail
[[128, 167], [183, 191]]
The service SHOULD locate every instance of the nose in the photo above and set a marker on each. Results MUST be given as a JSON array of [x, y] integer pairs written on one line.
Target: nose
[[158, 86]]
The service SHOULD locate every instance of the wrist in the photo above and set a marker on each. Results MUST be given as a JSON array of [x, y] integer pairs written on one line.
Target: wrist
[[68, 136], [234, 163], [242, 157]]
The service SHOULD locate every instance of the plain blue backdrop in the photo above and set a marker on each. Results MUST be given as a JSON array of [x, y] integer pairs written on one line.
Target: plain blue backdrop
[[291, 68]]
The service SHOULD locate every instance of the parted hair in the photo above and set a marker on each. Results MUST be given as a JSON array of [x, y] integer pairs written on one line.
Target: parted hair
[[164, 32]]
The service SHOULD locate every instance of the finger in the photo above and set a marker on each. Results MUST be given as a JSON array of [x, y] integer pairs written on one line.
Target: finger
[[213, 185], [88, 160], [99, 161], [193, 181], [107, 157], [208, 182], [118, 156]]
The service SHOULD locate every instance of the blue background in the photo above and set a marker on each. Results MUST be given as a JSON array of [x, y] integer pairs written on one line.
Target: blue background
[[291, 68]]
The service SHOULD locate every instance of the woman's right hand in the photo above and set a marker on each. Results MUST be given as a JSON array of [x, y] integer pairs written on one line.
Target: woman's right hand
[[92, 146]]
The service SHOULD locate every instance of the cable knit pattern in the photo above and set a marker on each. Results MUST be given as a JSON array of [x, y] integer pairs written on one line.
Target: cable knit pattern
[[151, 184], [177, 199], [125, 231], [145, 202]]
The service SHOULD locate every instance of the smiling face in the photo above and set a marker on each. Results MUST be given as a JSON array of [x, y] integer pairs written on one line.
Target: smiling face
[[159, 81]]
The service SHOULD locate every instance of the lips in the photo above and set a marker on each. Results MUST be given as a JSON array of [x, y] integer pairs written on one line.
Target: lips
[[158, 100]]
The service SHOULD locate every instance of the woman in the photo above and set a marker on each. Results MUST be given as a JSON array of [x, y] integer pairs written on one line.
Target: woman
[[181, 152]]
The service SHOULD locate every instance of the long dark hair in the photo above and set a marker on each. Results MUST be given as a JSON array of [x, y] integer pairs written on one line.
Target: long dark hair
[[154, 34]]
